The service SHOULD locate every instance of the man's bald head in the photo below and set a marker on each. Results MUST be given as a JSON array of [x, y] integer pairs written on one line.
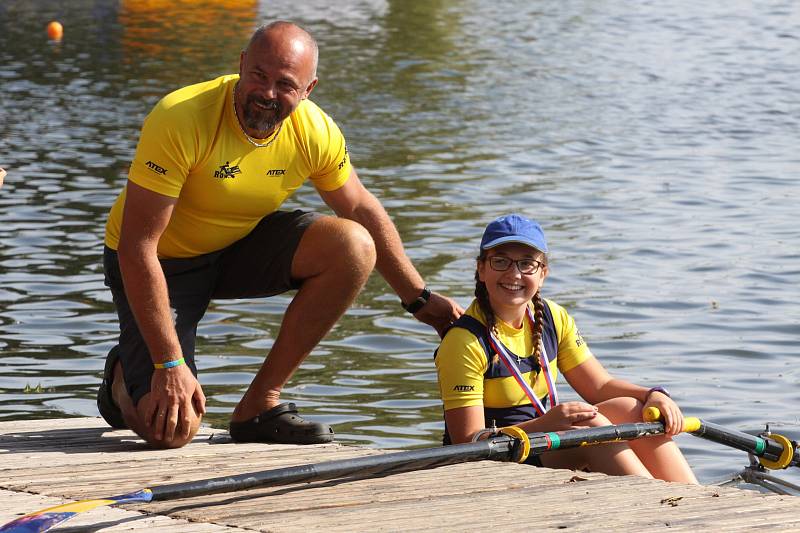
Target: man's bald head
[[277, 70], [282, 33]]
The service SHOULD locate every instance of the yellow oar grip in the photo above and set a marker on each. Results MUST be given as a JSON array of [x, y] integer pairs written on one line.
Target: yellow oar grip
[[690, 423], [519, 433], [651, 414], [786, 455]]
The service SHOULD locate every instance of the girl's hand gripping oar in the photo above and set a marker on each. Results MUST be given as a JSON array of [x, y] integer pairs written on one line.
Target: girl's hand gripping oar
[[774, 451]]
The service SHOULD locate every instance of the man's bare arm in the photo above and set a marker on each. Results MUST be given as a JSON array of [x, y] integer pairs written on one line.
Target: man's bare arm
[[173, 391], [355, 202]]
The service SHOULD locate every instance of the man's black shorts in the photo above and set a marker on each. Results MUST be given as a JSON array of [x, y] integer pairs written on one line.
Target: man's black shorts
[[257, 265]]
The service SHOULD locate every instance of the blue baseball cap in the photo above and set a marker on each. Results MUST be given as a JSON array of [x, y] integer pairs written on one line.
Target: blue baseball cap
[[514, 228]]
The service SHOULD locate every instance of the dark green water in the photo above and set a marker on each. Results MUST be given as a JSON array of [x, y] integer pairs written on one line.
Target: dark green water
[[655, 141]]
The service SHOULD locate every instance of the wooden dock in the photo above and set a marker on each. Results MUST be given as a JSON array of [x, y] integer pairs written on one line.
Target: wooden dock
[[49, 462]]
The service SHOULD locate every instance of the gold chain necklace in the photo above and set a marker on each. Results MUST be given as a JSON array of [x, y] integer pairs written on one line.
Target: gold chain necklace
[[250, 139]]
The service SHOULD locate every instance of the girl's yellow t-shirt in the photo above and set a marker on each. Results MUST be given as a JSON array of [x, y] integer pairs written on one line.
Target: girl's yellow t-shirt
[[461, 362]]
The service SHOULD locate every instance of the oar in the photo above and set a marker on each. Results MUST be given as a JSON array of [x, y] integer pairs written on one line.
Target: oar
[[512, 445], [774, 451]]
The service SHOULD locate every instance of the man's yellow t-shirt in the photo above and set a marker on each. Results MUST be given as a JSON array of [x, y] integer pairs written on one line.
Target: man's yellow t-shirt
[[193, 149]]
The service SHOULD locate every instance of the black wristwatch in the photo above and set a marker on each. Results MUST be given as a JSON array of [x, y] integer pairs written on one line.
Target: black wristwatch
[[419, 302], [662, 390]]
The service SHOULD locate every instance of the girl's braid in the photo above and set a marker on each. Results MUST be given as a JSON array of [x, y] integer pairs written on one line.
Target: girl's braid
[[538, 315]]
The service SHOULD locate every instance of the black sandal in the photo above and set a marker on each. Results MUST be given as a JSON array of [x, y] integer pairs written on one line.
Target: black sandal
[[110, 411], [281, 424]]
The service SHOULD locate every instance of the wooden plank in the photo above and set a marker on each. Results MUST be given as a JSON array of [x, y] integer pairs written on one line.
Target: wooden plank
[[80, 458]]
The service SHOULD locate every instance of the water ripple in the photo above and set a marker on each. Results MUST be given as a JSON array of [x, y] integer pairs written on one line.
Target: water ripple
[[657, 145]]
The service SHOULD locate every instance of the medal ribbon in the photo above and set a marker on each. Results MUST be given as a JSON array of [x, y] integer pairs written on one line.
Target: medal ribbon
[[508, 360]]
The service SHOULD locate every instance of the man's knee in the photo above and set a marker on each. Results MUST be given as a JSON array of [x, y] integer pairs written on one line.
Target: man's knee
[[175, 442], [147, 433], [358, 244], [332, 240], [135, 417]]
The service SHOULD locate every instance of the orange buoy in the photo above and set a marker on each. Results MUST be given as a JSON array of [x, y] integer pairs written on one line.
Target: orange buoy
[[55, 30]]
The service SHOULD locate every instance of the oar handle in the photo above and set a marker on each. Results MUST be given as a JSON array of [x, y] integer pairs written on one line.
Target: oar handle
[[690, 423], [774, 452]]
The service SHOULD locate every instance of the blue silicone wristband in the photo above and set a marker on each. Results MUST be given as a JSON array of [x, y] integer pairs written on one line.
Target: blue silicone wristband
[[170, 364]]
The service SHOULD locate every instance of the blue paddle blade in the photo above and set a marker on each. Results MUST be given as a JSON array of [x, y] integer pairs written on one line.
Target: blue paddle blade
[[49, 518]]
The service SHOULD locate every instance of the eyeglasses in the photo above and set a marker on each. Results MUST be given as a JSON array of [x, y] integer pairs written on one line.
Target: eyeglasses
[[525, 266]]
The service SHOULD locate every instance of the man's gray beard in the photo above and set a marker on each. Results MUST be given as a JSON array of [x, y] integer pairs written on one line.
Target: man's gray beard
[[258, 120], [258, 124]]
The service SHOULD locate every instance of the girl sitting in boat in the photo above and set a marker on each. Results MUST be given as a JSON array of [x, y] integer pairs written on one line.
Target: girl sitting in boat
[[490, 371]]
